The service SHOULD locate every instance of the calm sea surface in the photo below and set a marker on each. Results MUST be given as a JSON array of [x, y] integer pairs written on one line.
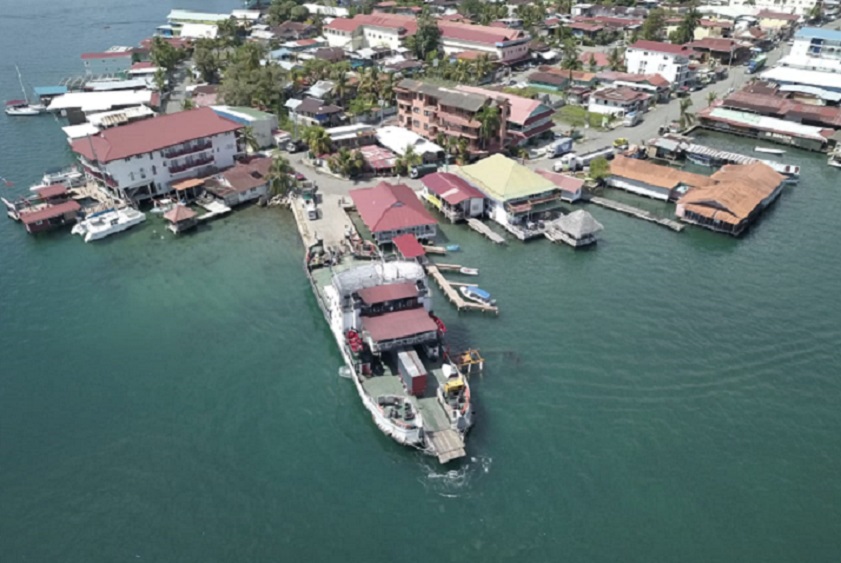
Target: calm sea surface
[[665, 397]]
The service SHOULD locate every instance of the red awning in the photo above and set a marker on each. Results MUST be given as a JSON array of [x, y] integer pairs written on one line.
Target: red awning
[[388, 292], [408, 246], [399, 324]]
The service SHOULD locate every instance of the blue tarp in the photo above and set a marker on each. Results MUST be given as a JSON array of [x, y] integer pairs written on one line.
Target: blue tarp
[[480, 293], [50, 90]]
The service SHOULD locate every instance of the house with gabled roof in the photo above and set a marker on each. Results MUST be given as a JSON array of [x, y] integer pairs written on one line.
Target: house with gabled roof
[[390, 210]]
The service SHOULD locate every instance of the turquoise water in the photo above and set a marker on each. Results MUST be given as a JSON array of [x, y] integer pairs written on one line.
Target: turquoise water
[[664, 397]]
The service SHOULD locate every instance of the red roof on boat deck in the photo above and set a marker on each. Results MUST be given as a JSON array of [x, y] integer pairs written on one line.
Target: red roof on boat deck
[[388, 292], [408, 246], [29, 217], [53, 190], [399, 324]]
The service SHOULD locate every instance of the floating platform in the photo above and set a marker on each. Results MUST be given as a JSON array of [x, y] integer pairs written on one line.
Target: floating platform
[[638, 213], [454, 296], [483, 229], [214, 209]]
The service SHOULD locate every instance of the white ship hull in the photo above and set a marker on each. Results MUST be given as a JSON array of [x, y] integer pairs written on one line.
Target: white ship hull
[[108, 224]]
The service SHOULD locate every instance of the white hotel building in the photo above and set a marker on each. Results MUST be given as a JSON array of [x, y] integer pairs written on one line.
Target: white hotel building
[[143, 159], [654, 57]]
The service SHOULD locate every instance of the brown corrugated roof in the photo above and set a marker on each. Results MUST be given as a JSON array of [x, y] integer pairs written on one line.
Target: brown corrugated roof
[[399, 324], [179, 213], [654, 174], [389, 292], [49, 212]]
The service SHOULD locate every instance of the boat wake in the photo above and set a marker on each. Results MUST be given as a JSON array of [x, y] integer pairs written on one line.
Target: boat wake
[[455, 482]]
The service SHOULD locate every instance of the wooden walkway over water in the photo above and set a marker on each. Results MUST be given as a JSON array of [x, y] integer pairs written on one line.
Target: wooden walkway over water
[[483, 229], [638, 213], [454, 296]]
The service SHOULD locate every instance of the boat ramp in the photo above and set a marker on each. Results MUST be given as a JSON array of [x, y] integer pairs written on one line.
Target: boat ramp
[[637, 212]]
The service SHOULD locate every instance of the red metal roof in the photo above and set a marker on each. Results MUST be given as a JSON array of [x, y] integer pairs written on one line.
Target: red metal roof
[[153, 134], [566, 183], [29, 217], [600, 58], [46, 192], [408, 246], [399, 324], [386, 21], [771, 15], [108, 55], [449, 187], [478, 33], [716, 44], [388, 292], [179, 213], [585, 26], [660, 47], [387, 207]]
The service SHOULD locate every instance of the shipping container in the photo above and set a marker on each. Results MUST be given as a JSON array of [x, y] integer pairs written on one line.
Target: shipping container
[[412, 372]]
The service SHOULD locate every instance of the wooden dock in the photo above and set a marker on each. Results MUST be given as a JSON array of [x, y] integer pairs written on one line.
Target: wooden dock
[[483, 229], [432, 249], [454, 296], [638, 213]]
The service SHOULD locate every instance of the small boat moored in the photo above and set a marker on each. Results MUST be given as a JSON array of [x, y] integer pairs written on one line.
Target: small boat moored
[[23, 107], [474, 293], [769, 150], [469, 271], [453, 247]]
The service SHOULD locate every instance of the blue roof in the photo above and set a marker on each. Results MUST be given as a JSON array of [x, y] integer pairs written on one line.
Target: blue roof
[[481, 293], [818, 33], [50, 90]]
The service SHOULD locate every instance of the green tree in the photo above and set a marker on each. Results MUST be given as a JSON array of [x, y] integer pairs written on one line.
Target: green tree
[[482, 67], [340, 88], [654, 24], [570, 54], [425, 40], [407, 161], [687, 118], [599, 169], [163, 54], [228, 33], [160, 79], [206, 59], [686, 30], [711, 97], [280, 177], [317, 140], [616, 59], [463, 150], [591, 63], [346, 163], [247, 136], [187, 104], [285, 10], [489, 121]]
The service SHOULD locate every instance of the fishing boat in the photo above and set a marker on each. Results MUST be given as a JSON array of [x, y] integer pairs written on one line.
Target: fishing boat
[[768, 150], [468, 271], [474, 293], [380, 314], [107, 223], [23, 107]]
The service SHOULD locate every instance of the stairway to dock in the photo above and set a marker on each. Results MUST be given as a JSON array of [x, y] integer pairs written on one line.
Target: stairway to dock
[[483, 229], [637, 212]]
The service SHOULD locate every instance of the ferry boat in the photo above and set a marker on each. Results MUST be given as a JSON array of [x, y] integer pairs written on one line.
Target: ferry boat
[[107, 223], [380, 314]]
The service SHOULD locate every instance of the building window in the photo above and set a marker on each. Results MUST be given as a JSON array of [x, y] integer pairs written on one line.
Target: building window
[[131, 176], [416, 123], [154, 170]]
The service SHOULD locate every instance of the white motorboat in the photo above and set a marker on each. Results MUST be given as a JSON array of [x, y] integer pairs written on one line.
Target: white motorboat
[[23, 107], [107, 223], [474, 293], [469, 271], [163, 205], [769, 150], [834, 159]]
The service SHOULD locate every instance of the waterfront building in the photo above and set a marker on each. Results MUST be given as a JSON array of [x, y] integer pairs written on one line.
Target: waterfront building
[[515, 196], [666, 59], [180, 218], [577, 229], [390, 210], [75, 104], [769, 104], [398, 139], [182, 17], [49, 217], [763, 127], [528, 119], [735, 199], [141, 160], [108, 63], [788, 76], [647, 179], [618, 101], [572, 188], [430, 110], [262, 124], [246, 181], [452, 196]]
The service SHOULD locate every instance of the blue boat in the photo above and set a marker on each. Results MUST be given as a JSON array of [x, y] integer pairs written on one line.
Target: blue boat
[[453, 247], [474, 293]]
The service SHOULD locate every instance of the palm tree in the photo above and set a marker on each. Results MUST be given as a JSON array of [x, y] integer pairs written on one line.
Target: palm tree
[[340, 87], [488, 118], [616, 59], [462, 71], [482, 67], [318, 140], [570, 53], [687, 118], [462, 147], [408, 160], [387, 89], [591, 62], [280, 176], [249, 139], [711, 97], [346, 163], [187, 104]]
